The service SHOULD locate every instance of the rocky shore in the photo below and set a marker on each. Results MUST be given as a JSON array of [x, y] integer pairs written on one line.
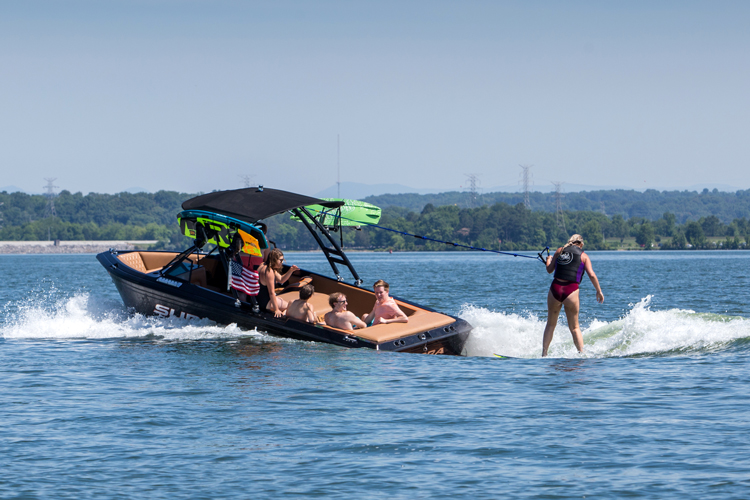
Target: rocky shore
[[62, 247]]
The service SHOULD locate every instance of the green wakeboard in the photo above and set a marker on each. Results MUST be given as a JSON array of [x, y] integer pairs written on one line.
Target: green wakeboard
[[352, 213]]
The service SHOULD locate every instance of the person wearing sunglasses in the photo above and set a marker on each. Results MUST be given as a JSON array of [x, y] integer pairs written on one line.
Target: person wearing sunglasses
[[270, 275], [340, 317]]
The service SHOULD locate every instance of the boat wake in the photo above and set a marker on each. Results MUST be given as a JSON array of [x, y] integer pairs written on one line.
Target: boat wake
[[85, 316], [641, 332]]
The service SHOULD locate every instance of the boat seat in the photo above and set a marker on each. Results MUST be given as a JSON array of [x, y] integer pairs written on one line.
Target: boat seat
[[198, 277], [156, 260], [148, 262], [134, 260], [420, 320], [319, 301]]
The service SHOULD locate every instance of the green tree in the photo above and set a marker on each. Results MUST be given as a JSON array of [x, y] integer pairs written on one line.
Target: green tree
[[679, 242], [592, 235], [694, 234], [645, 235], [731, 243], [619, 227], [669, 223], [712, 226]]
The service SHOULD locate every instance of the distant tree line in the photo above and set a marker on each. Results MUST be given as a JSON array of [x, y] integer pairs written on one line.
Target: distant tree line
[[498, 226], [514, 227], [651, 204], [122, 216]]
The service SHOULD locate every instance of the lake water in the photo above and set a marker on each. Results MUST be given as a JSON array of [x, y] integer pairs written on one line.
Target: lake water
[[97, 403]]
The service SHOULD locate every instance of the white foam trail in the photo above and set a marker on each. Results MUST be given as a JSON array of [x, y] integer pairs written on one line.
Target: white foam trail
[[85, 317], [640, 332], [500, 333]]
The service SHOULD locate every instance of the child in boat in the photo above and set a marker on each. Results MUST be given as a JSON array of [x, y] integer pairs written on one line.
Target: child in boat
[[301, 309], [385, 309], [340, 317]]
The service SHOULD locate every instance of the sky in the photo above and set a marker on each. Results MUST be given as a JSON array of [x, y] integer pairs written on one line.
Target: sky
[[198, 95]]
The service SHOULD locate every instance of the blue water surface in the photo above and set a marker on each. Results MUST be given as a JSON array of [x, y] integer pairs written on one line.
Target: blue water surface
[[97, 403]]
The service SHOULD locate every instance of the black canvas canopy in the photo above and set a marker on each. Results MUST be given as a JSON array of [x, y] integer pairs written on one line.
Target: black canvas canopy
[[253, 204]]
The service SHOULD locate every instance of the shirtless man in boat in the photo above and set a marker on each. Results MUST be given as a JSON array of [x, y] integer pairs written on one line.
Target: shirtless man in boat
[[301, 309], [385, 310], [340, 317]]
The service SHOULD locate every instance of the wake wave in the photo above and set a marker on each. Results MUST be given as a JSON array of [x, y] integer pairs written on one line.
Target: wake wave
[[641, 332], [84, 316]]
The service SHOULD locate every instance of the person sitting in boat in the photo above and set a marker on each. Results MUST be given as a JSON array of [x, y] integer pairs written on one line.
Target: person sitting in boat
[[385, 309], [339, 317], [270, 274], [301, 309]]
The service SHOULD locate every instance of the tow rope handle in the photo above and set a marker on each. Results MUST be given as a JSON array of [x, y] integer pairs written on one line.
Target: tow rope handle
[[542, 259]]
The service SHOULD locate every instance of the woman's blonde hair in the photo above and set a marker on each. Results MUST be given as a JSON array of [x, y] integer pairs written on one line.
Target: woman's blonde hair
[[576, 238]]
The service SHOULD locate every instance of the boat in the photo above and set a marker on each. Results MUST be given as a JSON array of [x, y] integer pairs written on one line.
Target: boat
[[195, 283]]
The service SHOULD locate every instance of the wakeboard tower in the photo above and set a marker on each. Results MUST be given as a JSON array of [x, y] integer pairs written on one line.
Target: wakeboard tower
[[196, 283]]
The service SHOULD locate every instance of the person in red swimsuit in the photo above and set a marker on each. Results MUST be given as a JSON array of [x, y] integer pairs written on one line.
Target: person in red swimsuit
[[568, 263]]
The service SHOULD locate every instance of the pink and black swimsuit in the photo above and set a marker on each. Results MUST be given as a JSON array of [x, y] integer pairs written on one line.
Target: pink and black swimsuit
[[568, 273]]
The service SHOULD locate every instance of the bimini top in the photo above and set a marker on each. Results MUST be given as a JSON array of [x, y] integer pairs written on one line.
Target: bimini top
[[253, 204]]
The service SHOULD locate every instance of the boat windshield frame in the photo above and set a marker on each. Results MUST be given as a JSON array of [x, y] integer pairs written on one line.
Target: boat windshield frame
[[334, 254]]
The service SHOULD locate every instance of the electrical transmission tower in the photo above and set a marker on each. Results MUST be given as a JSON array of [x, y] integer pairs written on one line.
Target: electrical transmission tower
[[247, 180], [50, 194], [526, 179], [559, 216], [473, 193]]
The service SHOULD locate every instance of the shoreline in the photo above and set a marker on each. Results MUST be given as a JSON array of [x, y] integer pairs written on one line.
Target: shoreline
[[94, 247], [70, 247]]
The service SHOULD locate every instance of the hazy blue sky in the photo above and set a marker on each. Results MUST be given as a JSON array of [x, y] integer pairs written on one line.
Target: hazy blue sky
[[192, 95]]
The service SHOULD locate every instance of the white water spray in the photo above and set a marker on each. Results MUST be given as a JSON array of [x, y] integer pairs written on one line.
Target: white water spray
[[641, 332], [87, 317]]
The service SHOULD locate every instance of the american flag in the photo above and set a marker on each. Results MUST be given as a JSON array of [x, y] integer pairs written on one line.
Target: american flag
[[244, 279]]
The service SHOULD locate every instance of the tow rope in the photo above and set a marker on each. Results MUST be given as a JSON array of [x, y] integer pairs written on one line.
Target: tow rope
[[426, 238]]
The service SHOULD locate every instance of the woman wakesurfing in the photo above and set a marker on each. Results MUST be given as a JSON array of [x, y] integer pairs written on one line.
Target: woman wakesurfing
[[568, 263]]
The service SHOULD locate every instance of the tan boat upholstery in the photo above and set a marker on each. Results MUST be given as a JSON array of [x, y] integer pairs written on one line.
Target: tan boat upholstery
[[420, 320], [134, 260], [147, 262]]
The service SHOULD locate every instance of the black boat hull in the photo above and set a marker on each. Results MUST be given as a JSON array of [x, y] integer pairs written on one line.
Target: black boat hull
[[154, 295]]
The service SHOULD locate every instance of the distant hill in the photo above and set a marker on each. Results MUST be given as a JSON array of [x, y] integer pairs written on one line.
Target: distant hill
[[650, 204], [357, 190], [360, 191]]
